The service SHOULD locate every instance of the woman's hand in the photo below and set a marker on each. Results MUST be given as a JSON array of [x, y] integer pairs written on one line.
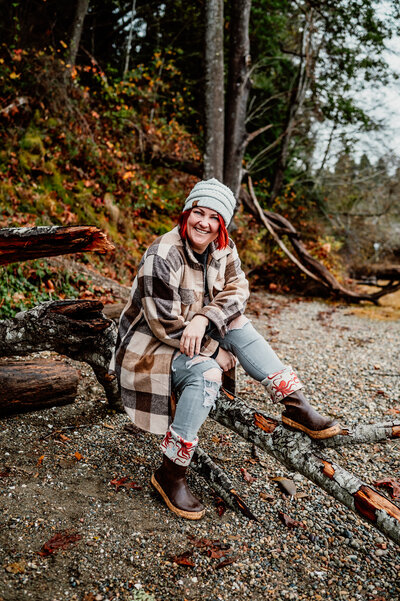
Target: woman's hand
[[192, 336], [225, 359]]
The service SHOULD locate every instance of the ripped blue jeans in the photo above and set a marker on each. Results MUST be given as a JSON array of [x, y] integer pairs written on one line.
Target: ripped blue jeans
[[198, 380]]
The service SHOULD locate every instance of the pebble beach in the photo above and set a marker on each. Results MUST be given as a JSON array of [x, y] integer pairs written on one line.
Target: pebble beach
[[82, 471]]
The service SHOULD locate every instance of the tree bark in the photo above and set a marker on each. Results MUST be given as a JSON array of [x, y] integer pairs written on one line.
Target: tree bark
[[76, 329], [214, 90], [301, 454], [36, 384], [237, 95], [82, 7], [24, 243], [129, 41]]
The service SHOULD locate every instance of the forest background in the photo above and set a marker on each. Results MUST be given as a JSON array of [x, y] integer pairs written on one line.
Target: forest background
[[105, 120]]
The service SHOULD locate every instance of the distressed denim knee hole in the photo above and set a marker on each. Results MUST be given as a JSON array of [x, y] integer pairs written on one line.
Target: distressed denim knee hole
[[212, 383]]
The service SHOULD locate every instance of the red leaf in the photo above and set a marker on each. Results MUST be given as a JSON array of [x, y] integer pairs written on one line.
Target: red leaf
[[61, 540], [184, 559], [248, 477], [224, 563], [220, 506], [201, 543], [289, 522], [122, 482], [391, 484], [5, 472]]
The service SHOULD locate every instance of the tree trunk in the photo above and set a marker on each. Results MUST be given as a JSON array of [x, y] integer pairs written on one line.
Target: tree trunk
[[296, 101], [214, 90], [24, 243], [36, 384], [77, 26], [237, 95], [129, 41]]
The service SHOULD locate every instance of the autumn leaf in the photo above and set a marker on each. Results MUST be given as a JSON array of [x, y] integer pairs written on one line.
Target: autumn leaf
[[61, 540], [226, 562], [123, 482], [246, 476], [289, 522], [184, 559], [5, 472], [78, 456], [391, 484], [220, 506], [40, 460]]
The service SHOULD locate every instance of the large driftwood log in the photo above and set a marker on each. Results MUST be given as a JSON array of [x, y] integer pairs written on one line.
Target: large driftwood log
[[76, 329], [278, 226], [79, 330], [23, 243], [301, 454], [36, 384]]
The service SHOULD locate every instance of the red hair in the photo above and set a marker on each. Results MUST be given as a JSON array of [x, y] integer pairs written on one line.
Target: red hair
[[221, 241]]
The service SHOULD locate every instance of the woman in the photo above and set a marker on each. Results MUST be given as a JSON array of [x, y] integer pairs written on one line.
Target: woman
[[182, 327]]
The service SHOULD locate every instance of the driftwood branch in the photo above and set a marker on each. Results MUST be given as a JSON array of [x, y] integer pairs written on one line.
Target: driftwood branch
[[278, 226], [301, 454], [24, 243], [222, 485]]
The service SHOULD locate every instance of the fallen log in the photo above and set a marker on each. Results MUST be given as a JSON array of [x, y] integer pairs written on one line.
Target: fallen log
[[36, 384], [278, 226], [23, 243], [303, 455], [77, 329]]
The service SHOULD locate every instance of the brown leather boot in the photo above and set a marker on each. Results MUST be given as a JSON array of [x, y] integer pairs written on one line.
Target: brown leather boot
[[300, 415], [170, 481]]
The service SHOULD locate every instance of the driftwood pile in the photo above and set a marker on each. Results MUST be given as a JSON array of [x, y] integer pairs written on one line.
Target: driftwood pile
[[79, 329]]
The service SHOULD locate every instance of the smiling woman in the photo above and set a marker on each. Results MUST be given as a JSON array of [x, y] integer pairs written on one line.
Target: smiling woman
[[183, 326]]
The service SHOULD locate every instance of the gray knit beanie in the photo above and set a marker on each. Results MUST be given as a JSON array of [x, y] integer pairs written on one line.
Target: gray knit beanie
[[212, 195]]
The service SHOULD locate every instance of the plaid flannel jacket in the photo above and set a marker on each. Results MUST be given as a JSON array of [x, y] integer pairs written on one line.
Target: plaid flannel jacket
[[166, 293]]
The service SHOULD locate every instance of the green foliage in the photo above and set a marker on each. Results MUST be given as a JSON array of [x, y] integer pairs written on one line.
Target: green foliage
[[24, 285]]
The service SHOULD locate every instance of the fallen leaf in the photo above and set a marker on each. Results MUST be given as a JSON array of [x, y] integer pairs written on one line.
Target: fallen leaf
[[40, 460], [220, 506], [391, 484], [286, 485], [16, 568], [109, 426], [393, 410], [63, 438], [61, 540], [201, 543], [123, 482], [246, 476], [266, 497], [184, 559], [289, 522], [225, 562], [78, 456], [6, 472]]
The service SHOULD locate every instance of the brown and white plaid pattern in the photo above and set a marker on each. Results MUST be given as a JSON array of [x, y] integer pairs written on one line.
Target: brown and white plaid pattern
[[166, 293]]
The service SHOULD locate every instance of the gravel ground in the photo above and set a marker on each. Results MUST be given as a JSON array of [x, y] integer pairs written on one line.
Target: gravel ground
[[57, 465]]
